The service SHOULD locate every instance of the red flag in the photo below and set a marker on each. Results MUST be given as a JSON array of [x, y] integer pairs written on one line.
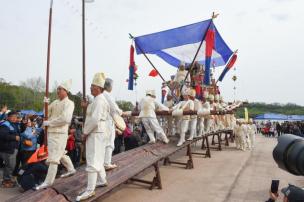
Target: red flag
[[153, 73], [232, 61]]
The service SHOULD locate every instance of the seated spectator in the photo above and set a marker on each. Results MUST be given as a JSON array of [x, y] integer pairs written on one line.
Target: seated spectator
[[9, 139], [28, 141], [31, 175]]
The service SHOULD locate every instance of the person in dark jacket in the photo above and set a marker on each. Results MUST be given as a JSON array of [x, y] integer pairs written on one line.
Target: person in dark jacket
[[9, 141]]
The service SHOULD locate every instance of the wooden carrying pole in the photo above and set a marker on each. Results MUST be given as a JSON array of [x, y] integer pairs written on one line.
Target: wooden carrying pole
[[46, 105], [83, 52]]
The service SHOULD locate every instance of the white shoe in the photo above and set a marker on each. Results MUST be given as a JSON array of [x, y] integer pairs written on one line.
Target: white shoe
[[166, 140], [190, 139], [110, 167], [85, 195], [42, 186], [101, 183], [151, 142], [180, 143], [68, 174]]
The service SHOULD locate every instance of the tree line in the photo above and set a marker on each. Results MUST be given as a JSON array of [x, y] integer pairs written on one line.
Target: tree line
[[257, 108], [30, 93]]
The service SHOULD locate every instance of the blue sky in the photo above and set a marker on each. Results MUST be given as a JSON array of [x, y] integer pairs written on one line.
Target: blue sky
[[268, 34]]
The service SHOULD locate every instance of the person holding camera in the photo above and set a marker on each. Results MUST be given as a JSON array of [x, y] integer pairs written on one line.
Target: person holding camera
[[291, 194], [29, 138]]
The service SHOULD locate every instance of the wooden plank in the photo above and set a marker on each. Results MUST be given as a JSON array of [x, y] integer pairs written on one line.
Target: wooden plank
[[46, 195], [130, 164]]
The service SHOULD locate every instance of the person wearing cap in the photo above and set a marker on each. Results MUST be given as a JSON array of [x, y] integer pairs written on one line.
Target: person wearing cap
[[291, 194], [246, 132], [97, 135], [217, 118], [180, 76], [114, 109], [164, 92], [147, 107], [211, 121], [240, 133], [60, 113], [204, 121], [193, 118], [169, 119], [252, 131], [237, 132], [185, 105], [9, 141]]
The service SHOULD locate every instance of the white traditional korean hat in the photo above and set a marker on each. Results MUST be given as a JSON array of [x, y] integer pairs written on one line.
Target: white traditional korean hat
[[99, 79], [205, 94], [192, 93], [186, 91], [217, 97], [66, 85], [211, 97], [150, 92]]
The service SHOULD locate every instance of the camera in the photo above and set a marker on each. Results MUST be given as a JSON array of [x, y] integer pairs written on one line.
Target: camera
[[289, 154]]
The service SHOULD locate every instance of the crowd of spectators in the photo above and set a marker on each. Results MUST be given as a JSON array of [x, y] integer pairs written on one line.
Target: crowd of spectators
[[275, 129], [22, 135]]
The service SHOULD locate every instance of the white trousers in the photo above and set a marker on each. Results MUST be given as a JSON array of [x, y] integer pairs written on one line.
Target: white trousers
[[151, 125], [184, 128], [240, 140], [110, 144], [56, 154], [95, 152], [193, 127], [201, 125], [252, 138]]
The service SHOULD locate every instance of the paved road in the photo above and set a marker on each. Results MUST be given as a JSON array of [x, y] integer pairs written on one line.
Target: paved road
[[230, 175]]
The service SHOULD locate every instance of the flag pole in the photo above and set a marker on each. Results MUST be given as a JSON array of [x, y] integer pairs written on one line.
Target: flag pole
[[148, 59], [235, 52], [198, 49]]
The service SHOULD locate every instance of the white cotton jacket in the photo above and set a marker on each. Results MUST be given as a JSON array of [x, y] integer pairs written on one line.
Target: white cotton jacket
[[181, 75], [185, 106], [97, 114], [60, 115], [147, 107], [197, 107], [114, 108], [169, 104]]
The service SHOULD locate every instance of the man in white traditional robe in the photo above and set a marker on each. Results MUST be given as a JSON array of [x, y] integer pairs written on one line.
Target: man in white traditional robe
[[114, 109], [185, 105], [59, 118], [193, 118], [169, 119], [147, 106], [97, 135], [252, 132], [204, 122], [210, 122]]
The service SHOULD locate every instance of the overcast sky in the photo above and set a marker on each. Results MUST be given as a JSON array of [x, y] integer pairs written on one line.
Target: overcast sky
[[268, 33]]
